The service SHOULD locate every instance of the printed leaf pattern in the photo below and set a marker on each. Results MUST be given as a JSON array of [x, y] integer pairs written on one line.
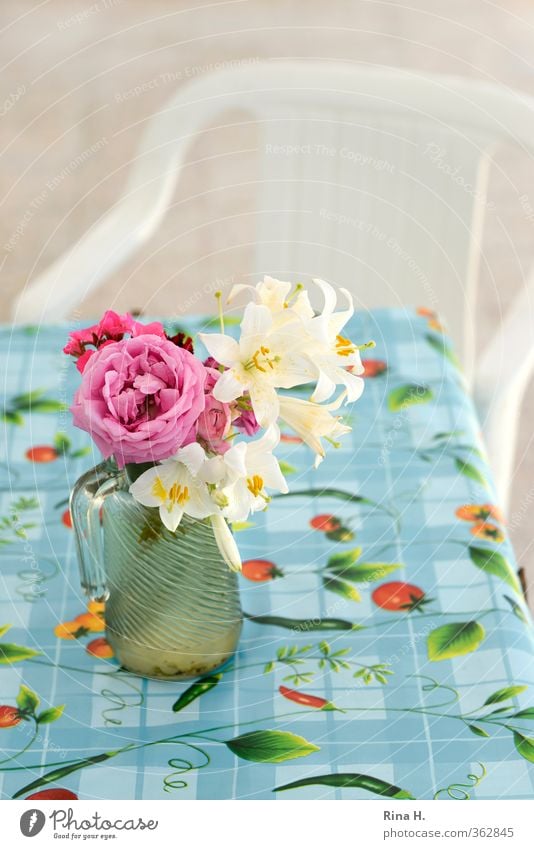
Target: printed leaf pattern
[[494, 563], [454, 639], [271, 747], [407, 396]]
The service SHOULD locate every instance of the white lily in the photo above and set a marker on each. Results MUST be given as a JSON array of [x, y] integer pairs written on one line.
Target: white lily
[[226, 542], [265, 358], [275, 295], [251, 469], [176, 488], [313, 422], [331, 353]]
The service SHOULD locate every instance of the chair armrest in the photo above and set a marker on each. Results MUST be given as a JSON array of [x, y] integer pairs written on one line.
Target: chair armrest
[[502, 374]]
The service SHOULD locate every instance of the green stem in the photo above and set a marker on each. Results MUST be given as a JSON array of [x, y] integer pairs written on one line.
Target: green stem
[[26, 747]]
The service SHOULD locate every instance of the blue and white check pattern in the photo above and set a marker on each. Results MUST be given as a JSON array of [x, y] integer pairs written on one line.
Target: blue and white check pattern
[[411, 732]]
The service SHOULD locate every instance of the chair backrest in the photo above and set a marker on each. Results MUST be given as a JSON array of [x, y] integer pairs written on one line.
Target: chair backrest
[[371, 178]]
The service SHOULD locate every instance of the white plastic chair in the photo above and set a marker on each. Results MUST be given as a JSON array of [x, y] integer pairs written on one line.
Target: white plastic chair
[[371, 178]]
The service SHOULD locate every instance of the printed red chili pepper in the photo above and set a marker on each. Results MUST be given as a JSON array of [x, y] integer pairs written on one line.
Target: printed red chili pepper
[[306, 699]]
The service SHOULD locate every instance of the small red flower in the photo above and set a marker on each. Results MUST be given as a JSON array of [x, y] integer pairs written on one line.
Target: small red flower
[[99, 648], [41, 454], [397, 595], [55, 793], [9, 716], [373, 368], [325, 522], [291, 438], [261, 570], [66, 518]]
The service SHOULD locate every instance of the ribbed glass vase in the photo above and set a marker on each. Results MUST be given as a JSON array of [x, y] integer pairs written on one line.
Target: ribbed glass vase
[[172, 603]]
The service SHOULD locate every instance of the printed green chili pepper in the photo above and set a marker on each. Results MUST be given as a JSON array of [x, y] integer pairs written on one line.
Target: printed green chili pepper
[[306, 624], [351, 779], [195, 691]]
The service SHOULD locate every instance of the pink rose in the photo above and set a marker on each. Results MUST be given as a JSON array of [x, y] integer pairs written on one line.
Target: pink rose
[[112, 327], [214, 424], [140, 398]]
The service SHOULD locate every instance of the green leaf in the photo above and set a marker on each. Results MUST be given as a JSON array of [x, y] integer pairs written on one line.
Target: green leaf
[[447, 434], [478, 731], [517, 610], [367, 572], [271, 747], [4, 629], [408, 395], [504, 694], [439, 344], [81, 452], [48, 405], [268, 667], [343, 559], [11, 653], [351, 780], [62, 443], [527, 713], [12, 417], [286, 468], [469, 471], [525, 746], [494, 563], [27, 399], [229, 321], [27, 700], [50, 715], [454, 639], [341, 588]]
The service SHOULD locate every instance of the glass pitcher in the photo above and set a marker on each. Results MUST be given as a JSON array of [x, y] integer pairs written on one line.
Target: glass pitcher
[[172, 603]]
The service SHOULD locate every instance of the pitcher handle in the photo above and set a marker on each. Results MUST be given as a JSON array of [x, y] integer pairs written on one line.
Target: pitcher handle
[[85, 504]]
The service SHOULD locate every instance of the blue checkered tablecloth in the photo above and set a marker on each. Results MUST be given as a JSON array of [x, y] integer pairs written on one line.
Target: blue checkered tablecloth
[[390, 593]]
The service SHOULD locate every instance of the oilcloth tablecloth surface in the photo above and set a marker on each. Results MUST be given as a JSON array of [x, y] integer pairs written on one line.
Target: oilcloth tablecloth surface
[[387, 649]]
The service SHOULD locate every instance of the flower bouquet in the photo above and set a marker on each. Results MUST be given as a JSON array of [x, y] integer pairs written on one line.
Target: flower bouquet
[[188, 444]]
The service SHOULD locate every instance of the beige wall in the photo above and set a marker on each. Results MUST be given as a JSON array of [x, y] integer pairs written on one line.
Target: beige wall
[[79, 79]]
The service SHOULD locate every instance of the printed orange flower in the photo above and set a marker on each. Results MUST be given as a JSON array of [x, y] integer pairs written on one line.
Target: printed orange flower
[[99, 648], [479, 513], [97, 607], [425, 312], [91, 622], [80, 626], [486, 530], [68, 630], [436, 325]]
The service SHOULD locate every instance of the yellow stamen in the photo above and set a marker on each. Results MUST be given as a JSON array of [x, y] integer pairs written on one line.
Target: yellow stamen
[[255, 485], [158, 490], [260, 359], [178, 495], [345, 347]]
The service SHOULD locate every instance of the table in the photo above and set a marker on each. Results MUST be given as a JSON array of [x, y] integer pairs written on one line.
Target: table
[[344, 687]]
